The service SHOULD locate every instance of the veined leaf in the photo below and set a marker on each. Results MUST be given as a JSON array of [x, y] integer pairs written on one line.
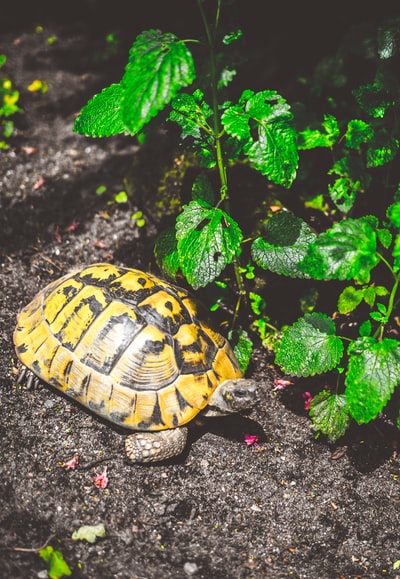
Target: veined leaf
[[242, 348], [262, 121], [358, 132], [309, 346], [373, 373], [208, 239], [349, 299], [166, 252], [202, 189], [311, 138], [330, 414], [343, 193], [159, 65], [102, 115], [382, 150], [284, 244], [346, 251], [191, 113], [393, 213], [385, 237]]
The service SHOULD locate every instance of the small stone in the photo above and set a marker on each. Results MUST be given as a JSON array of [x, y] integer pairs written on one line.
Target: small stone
[[190, 568]]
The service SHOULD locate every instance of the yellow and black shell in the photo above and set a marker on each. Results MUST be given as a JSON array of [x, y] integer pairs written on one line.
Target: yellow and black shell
[[125, 344]]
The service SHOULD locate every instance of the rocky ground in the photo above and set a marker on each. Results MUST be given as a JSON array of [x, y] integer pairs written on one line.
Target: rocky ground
[[288, 506]]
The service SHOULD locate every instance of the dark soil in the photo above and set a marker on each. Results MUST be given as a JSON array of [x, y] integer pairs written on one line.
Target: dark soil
[[289, 506]]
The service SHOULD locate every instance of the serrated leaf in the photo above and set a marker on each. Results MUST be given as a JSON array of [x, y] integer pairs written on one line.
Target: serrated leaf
[[166, 252], [309, 346], [57, 566], [373, 374], [159, 65], [349, 299], [311, 138], [382, 150], [191, 113], [372, 99], [330, 414], [385, 237], [343, 193], [242, 348], [370, 293], [358, 132], [283, 245], [102, 115], [262, 121], [208, 240], [346, 251], [353, 178], [89, 533], [202, 189], [393, 214], [365, 329]]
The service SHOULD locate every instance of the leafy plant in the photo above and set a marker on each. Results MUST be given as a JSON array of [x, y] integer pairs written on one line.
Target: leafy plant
[[8, 105], [349, 251], [164, 76], [256, 129]]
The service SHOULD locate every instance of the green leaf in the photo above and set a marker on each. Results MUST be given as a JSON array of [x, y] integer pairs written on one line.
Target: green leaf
[[385, 237], [262, 121], [343, 194], [202, 189], [166, 252], [346, 251], [370, 293], [330, 414], [365, 328], [102, 116], [383, 149], [358, 132], [396, 253], [311, 138], [57, 566], [191, 113], [372, 375], [373, 99], [284, 244], [89, 533], [349, 299], [242, 348], [159, 65], [208, 239], [353, 179], [309, 346], [393, 214]]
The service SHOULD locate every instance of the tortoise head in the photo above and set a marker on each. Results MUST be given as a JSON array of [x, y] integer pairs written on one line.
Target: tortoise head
[[231, 396]]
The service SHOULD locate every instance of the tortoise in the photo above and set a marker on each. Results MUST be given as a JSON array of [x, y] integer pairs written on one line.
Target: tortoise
[[134, 350]]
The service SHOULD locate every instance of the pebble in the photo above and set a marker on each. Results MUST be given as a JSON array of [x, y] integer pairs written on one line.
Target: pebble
[[190, 568]]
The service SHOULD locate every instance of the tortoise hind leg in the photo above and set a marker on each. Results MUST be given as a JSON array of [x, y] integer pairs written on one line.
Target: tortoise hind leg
[[155, 446]]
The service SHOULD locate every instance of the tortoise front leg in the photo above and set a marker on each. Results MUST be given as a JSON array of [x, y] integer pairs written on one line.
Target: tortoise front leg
[[155, 446]]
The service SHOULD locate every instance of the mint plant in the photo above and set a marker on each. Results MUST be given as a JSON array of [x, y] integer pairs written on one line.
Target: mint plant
[[164, 79], [370, 364], [161, 76]]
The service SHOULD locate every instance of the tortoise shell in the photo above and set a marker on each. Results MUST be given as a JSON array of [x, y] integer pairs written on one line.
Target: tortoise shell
[[125, 344]]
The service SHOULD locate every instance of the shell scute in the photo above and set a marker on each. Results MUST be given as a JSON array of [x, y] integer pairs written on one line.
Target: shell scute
[[132, 348]]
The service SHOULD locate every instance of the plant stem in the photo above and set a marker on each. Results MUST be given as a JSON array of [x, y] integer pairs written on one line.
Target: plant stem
[[224, 196]]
